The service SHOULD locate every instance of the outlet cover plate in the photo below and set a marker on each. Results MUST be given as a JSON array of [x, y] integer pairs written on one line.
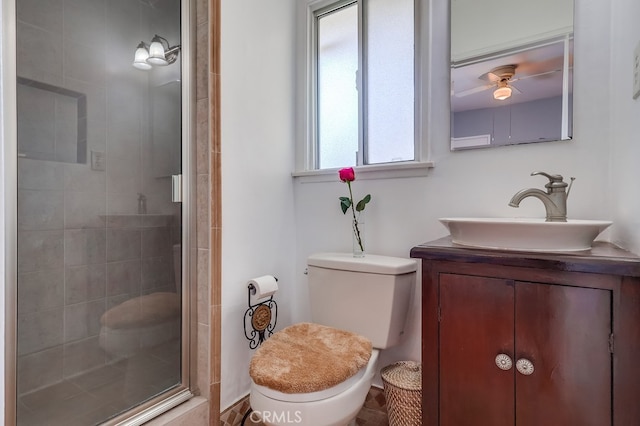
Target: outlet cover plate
[[98, 161]]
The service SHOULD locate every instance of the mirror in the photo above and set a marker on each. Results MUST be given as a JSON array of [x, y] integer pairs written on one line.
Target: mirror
[[511, 72]]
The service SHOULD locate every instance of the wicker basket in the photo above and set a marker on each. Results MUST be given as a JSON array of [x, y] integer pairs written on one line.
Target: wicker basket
[[403, 392]]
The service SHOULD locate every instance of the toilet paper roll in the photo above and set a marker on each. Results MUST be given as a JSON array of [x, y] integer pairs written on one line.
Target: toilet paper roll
[[263, 286]]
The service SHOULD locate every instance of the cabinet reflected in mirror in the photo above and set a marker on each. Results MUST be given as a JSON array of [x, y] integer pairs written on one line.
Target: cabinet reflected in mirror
[[511, 72]]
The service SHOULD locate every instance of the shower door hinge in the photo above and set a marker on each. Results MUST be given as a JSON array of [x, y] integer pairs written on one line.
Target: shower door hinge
[[176, 188], [611, 343]]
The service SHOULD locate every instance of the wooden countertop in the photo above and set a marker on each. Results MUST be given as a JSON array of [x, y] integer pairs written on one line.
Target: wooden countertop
[[603, 258]]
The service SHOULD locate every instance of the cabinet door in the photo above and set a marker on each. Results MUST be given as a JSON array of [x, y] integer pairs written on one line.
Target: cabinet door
[[564, 331], [476, 324]]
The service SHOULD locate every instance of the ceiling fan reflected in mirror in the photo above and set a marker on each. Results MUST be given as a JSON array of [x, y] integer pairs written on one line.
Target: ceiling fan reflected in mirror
[[501, 79]]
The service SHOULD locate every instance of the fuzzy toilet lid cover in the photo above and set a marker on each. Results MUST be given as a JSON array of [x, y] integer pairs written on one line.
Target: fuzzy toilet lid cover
[[308, 357]]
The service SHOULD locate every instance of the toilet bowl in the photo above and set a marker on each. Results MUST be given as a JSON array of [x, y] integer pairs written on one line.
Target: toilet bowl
[[144, 321], [336, 406], [368, 297]]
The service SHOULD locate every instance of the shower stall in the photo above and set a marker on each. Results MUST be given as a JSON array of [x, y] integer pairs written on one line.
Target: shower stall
[[100, 296]]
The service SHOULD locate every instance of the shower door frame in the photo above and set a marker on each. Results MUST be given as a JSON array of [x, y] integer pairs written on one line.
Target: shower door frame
[[9, 217]]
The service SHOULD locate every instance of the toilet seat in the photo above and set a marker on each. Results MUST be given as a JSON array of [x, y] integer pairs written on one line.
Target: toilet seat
[[311, 396]]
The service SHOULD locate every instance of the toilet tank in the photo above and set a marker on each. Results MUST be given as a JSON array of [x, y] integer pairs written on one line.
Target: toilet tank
[[368, 295]]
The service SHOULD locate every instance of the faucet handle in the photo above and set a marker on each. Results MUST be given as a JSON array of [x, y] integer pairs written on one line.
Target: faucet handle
[[555, 181], [552, 178]]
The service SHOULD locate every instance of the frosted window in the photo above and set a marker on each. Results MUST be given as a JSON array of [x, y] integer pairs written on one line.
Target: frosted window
[[375, 124], [390, 85], [337, 94]]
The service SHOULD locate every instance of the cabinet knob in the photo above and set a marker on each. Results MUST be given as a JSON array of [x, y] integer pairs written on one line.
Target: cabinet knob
[[503, 361], [524, 366]]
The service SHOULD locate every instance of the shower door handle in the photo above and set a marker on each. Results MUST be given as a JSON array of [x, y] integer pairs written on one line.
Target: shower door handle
[[176, 188]]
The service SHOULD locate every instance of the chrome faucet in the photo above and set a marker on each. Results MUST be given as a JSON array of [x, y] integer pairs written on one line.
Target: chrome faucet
[[554, 200], [142, 203]]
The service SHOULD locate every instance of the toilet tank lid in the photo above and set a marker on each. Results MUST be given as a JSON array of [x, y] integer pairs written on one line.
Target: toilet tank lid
[[371, 263]]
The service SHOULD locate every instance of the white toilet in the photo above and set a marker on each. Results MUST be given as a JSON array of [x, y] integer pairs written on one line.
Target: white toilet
[[144, 321], [369, 296]]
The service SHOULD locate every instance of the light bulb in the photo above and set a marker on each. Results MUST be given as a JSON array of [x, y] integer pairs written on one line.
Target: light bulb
[[140, 58], [156, 53], [502, 93]]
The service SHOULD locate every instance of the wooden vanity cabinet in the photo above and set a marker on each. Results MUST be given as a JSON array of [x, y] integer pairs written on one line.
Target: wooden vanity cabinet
[[530, 339]]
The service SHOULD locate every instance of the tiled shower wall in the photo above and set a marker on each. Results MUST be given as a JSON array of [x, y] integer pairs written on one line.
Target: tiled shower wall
[[208, 184], [77, 258]]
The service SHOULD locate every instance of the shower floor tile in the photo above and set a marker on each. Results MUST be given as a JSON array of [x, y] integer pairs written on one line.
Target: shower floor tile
[[51, 395], [93, 397], [98, 378]]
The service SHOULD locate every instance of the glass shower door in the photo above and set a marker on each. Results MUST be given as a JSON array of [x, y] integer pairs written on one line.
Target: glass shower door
[[99, 327]]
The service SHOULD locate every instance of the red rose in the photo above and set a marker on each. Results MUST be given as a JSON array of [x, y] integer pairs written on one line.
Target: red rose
[[347, 174]]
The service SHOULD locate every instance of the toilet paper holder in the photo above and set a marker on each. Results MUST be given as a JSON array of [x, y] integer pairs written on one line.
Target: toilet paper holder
[[259, 319]]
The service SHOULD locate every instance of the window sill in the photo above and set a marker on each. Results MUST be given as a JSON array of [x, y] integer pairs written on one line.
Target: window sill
[[377, 171]]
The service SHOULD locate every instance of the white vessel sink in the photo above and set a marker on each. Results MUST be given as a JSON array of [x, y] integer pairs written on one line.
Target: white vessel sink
[[524, 234]]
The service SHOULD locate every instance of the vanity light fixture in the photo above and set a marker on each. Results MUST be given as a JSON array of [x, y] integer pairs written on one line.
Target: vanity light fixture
[[157, 53]]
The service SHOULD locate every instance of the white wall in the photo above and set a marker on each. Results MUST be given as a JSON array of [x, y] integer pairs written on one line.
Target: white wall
[[487, 26], [258, 219], [625, 126], [257, 123], [404, 212]]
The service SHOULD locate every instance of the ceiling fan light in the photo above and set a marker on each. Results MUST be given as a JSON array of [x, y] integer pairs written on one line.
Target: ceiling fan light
[[502, 93]]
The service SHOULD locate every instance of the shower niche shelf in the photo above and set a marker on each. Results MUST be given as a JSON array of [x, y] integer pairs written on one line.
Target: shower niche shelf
[[52, 122]]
